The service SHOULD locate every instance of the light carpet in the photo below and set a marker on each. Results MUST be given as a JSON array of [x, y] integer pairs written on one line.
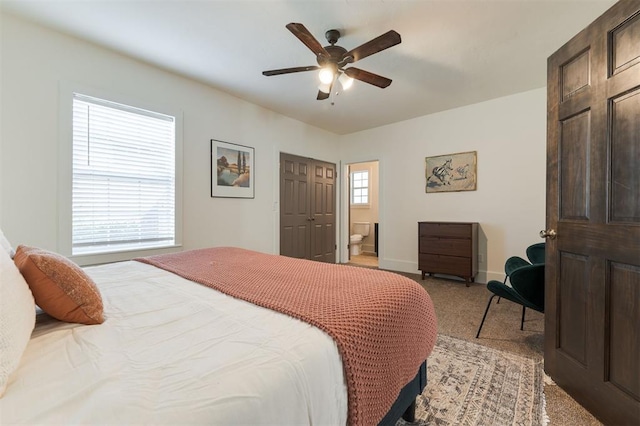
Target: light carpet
[[470, 384]]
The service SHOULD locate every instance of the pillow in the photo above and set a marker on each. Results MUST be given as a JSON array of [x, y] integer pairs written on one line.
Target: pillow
[[17, 318], [6, 245], [60, 287]]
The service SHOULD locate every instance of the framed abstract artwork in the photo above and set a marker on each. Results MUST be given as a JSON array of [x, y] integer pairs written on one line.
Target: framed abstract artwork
[[452, 172], [232, 170]]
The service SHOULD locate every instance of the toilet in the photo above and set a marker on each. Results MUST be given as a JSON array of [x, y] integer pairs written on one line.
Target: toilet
[[360, 231]]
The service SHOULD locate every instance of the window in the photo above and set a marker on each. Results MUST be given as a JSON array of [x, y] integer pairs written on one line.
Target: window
[[123, 194], [360, 187]]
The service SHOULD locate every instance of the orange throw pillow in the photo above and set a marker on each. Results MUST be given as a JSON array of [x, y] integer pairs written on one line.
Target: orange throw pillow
[[59, 286]]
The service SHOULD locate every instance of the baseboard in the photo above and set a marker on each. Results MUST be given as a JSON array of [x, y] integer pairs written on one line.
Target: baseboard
[[482, 277], [398, 265]]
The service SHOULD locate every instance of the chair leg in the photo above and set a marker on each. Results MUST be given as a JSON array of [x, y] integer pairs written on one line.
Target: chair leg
[[485, 315], [522, 322]]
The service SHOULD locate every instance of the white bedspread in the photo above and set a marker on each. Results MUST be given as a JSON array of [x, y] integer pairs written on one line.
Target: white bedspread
[[175, 352]]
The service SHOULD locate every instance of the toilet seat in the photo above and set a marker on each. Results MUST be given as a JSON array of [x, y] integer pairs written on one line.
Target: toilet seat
[[355, 238]]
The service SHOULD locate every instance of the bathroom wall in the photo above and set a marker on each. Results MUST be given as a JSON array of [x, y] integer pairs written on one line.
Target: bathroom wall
[[367, 213]]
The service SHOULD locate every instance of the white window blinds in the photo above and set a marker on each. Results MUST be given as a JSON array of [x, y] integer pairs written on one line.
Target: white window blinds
[[123, 177]]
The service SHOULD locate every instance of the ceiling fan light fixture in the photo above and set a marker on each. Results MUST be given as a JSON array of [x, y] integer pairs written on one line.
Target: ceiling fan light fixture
[[325, 87], [326, 75], [345, 81]]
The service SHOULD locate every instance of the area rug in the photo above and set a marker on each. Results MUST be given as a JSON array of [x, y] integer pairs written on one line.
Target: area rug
[[470, 384]]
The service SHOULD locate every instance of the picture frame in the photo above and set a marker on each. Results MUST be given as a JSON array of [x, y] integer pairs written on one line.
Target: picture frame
[[451, 172], [232, 170]]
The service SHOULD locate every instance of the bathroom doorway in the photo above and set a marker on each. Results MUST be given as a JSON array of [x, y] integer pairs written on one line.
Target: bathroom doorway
[[363, 214]]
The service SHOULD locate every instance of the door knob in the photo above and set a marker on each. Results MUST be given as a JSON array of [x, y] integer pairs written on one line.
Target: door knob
[[548, 233]]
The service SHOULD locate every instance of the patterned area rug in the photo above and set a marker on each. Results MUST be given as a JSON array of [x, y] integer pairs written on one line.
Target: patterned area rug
[[470, 384]]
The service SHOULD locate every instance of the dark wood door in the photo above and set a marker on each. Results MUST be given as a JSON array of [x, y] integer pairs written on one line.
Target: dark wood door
[[307, 208], [323, 212], [592, 300], [295, 211]]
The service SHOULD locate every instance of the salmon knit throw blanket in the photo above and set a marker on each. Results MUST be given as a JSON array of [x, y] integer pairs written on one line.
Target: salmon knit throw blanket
[[384, 324]]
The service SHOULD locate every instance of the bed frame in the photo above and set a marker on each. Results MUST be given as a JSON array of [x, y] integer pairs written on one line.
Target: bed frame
[[405, 405]]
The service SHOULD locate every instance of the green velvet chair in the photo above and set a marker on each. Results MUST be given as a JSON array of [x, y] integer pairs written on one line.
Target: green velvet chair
[[535, 254], [526, 288]]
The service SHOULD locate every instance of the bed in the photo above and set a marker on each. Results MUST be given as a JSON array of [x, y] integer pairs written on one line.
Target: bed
[[175, 351]]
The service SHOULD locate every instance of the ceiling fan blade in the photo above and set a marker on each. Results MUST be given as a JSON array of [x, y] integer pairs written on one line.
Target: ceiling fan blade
[[378, 44], [368, 77], [305, 36], [322, 96], [290, 70]]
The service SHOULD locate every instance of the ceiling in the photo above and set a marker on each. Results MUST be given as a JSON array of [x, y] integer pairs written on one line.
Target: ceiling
[[453, 52]]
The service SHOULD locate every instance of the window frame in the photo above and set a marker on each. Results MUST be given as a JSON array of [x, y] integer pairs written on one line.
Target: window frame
[[368, 188], [65, 175]]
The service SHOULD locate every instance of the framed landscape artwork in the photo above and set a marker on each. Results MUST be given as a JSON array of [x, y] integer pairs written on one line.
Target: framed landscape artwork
[[232, 170], [452, 172]]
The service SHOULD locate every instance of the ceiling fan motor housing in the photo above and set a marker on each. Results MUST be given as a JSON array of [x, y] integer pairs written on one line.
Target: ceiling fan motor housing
[[332, 36], [336, 54]]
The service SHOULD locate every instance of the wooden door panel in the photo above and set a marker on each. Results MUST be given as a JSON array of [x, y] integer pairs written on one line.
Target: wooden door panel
[[574, 170], [329, 199], [625, 158], [286, 241], [287, 205], [625, 51], [575, 74], [316, 242], [624, 317], [329, 239], [574, 286], [302, 198], [318, 199], [592, 299], [301, 242]]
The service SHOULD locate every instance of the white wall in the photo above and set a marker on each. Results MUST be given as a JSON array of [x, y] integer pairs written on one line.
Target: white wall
[[509, 135], [35, 61]]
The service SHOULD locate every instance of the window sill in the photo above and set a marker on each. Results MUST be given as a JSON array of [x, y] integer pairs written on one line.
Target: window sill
[[122, 255]]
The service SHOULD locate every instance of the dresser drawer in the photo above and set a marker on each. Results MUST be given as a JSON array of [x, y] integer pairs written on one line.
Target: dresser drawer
[[440, 264], [446, 246], [451, 230]]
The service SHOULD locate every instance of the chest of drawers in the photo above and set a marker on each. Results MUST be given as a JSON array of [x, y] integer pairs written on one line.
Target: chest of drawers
[[449, 248]]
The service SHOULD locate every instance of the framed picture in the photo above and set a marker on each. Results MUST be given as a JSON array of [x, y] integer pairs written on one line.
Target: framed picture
[[232, 170], [452, 172]]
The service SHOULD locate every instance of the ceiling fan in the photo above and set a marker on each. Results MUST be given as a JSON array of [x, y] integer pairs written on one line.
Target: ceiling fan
[[332, 59]]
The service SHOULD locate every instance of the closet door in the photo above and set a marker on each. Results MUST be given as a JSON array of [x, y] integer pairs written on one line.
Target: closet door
[[295, 206], [307, 208], [592, 299], [323, 212]]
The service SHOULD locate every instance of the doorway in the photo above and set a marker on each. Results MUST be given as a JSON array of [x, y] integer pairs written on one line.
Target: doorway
[[363, 214]]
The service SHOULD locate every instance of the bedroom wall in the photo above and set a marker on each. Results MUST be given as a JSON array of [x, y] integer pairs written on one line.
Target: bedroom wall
[[509, 135], [36, 60]]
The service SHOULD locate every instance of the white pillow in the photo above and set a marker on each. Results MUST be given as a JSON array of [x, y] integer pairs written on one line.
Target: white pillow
[[17, 318], [6, 245]]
